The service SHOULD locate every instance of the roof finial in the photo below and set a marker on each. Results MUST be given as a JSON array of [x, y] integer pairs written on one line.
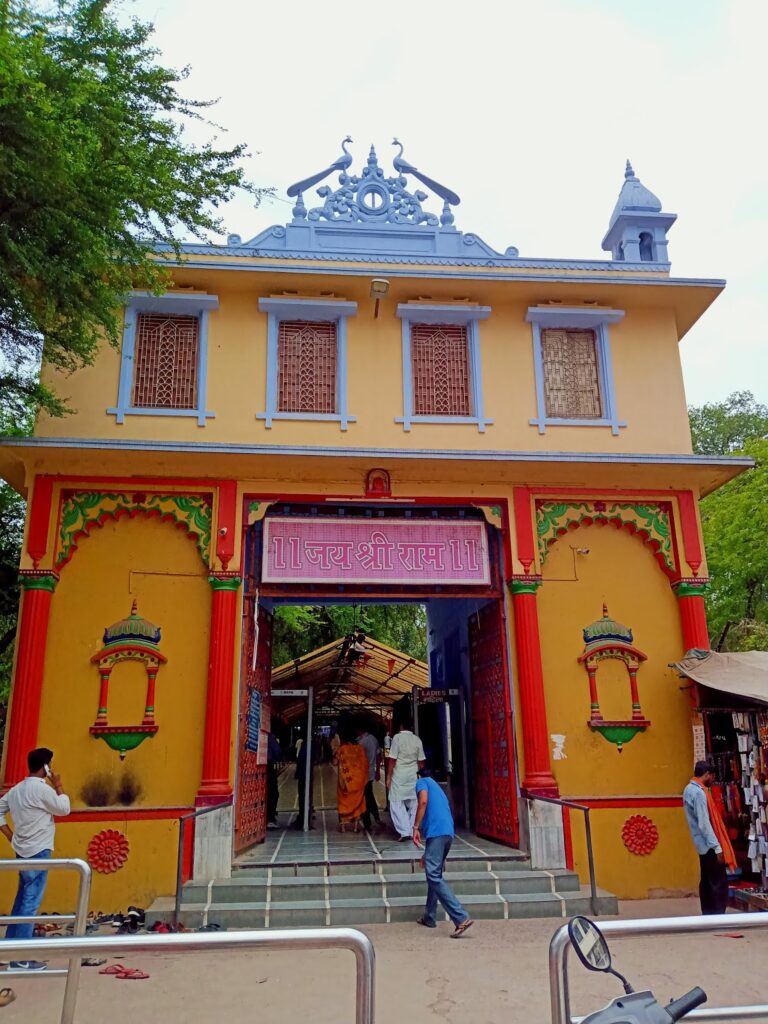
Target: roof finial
[[135, 607], [605, 610], [629, 172]]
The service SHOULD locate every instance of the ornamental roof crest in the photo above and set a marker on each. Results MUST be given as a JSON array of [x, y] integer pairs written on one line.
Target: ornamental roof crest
[[371, 197]]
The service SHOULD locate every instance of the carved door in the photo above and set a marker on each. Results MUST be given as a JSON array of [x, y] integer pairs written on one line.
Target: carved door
[[255, 675], [494, 784]]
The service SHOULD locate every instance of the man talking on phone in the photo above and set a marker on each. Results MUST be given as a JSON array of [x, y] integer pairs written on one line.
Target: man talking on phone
[[434, 825], [32, 805]]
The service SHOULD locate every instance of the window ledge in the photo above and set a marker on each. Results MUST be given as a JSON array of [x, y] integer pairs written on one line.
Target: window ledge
[[479, 422], [322, 417], [542, 424], [197, 414]]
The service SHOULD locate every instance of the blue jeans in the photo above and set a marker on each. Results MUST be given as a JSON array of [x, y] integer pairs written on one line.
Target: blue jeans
[[29, 896], [435, 854]]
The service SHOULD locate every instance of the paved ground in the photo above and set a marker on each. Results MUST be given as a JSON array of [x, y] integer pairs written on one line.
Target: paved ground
[[496, 975]]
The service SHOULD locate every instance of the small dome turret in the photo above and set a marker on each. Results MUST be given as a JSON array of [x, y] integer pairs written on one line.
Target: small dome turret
[[606, 630], [132, 629], [637, 231]]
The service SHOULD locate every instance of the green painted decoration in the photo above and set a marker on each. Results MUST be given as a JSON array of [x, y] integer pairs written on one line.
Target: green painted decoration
[[85, 510], [618, 732], [528, 585], [650, 521], [685, 588]]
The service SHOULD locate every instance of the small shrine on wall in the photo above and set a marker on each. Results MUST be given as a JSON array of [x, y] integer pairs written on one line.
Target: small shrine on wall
[[605, 639], [130, 639]]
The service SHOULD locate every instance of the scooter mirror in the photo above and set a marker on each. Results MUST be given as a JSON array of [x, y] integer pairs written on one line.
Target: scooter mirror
[[591, 948]]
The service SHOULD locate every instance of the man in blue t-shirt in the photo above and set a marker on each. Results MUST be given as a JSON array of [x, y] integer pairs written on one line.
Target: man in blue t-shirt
[[434, 825]]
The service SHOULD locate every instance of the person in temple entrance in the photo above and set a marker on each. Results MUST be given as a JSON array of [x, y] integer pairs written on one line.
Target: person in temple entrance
[[406, 756], [433, 829]]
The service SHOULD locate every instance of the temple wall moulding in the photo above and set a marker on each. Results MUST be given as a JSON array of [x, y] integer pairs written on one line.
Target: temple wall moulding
[[650, 521], [84, 511], [609, 640]]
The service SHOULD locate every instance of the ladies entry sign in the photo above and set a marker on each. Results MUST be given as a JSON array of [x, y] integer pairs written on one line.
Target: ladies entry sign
[[336, 550]]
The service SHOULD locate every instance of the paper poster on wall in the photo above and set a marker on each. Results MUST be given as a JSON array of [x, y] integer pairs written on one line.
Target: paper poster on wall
[[261, 755], [699, 744]]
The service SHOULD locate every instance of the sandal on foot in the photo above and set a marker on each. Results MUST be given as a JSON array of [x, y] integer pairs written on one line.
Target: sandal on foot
[[7, 995], [461, 928]]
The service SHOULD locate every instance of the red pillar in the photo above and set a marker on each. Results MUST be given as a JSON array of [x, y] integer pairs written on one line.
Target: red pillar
[[693, 613], [530, 680], [215, 786], [37, 586]]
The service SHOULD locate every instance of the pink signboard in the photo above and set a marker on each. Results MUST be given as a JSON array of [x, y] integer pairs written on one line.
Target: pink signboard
[[409, 551]]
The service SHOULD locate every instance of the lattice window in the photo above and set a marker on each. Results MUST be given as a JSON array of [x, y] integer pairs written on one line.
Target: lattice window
[[440, 365], [306, 359], [166, 362], [571, 375]]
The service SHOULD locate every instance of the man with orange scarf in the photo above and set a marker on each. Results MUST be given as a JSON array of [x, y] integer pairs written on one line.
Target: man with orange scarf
[[710, 839]]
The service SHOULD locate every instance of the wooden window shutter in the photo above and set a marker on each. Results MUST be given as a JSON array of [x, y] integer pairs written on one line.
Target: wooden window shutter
[[571, 375], [306, 358], [440, 368], [166, 356]]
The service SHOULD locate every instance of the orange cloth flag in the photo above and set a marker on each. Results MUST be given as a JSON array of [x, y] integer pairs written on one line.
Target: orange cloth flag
[[718, 826]]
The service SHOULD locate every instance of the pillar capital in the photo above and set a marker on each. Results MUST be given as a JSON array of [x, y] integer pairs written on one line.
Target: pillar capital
[[691, 587], [224, 581], [38, 579], [524, 584]]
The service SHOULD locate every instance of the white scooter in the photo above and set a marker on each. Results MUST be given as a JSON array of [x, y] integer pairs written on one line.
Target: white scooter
[[634, 1007]]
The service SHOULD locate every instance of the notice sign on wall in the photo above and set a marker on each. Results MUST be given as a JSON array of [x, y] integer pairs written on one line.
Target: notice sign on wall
[[404, 551]]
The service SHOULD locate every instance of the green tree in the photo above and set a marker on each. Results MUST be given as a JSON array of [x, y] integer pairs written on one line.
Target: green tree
[[95, 174], [718, 428], [735, 522], [299, 629]]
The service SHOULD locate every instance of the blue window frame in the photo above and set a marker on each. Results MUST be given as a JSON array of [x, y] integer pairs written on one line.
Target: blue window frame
[[312, 311], [175, 305], [467, 316], [576, 318]]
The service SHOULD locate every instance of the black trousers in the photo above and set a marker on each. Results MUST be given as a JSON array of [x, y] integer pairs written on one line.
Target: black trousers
[[273, 791], [713, 887], [371, 807]]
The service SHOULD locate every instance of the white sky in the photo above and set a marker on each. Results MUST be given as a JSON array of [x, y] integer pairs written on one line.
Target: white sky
[[528, 110]]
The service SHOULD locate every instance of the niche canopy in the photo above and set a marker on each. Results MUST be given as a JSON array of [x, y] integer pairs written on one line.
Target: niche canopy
[[133, 638]]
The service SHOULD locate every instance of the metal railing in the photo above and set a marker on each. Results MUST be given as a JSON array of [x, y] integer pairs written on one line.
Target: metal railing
[[79, 921], [558, 960], [572, 806], [180, 854], [220, 942]]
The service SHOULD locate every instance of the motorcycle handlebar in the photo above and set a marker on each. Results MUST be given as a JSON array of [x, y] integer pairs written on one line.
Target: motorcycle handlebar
[[679, 1007]]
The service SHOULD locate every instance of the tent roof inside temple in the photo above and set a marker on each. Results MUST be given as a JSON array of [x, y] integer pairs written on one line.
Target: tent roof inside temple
[[347, 675]]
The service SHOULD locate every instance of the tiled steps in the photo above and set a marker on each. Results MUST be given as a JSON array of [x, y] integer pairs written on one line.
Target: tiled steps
[[359, 894]]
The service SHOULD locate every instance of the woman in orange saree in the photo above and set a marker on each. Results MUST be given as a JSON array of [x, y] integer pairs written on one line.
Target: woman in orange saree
[[352, 764]]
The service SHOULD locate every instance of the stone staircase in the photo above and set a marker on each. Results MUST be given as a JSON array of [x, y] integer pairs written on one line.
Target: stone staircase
[[376, 891]]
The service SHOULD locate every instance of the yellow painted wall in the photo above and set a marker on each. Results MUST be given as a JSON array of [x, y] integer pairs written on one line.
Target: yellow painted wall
[[646, 363], [623, 572], [672, 869], [158, 565], [149, 871]]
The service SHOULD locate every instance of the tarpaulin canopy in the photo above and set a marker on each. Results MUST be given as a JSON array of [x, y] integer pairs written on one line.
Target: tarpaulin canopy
[[742, 674], [376, 679]]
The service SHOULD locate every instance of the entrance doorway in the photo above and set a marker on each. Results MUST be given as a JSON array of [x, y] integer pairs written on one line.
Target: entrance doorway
[[458, 700]]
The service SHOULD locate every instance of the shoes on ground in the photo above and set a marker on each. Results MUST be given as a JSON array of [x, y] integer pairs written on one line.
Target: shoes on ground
[[28, 965]]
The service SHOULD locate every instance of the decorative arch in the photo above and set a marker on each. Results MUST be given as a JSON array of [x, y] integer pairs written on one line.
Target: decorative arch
[[651, 522], [84, 511]]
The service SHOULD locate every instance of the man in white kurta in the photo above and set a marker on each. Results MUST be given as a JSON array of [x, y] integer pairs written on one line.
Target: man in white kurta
[[406, 756]]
